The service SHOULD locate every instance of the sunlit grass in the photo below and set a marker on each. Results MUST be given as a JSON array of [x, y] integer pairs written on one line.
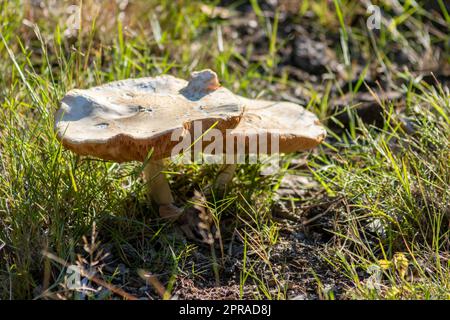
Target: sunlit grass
[[393, 181]]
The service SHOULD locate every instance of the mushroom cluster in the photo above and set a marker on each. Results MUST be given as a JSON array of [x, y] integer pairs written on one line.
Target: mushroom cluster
[[148, 119]]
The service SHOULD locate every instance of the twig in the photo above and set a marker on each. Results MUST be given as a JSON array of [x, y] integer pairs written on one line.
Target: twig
[[321, 214], [157, 285], [93, 278]]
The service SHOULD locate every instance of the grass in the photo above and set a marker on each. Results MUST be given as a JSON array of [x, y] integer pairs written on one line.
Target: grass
[[394, 186], [382, 191]]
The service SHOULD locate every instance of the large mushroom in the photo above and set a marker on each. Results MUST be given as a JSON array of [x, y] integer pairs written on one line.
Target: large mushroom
[[286, 124], [137, 120]]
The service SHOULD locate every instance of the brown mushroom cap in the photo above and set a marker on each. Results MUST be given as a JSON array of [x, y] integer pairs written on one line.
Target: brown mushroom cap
[[124, 120]]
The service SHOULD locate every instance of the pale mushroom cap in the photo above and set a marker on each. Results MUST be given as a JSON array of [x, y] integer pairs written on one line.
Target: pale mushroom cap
[[295, 128], [124, 120]]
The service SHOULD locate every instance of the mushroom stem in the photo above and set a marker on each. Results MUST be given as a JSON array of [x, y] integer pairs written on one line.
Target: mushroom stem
[[224, 177], [159, 189]]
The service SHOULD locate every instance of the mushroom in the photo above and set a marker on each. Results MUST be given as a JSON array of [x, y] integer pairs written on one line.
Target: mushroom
[[124, 120], [144, 119], [288, 125]]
